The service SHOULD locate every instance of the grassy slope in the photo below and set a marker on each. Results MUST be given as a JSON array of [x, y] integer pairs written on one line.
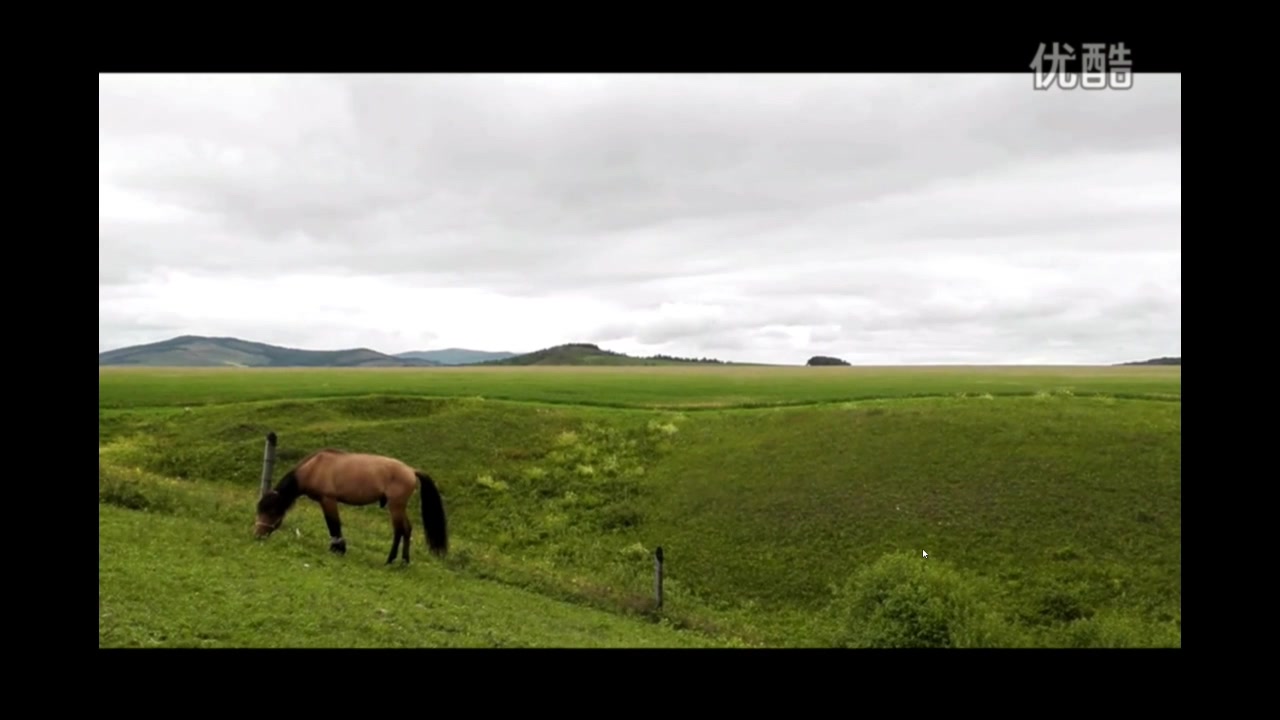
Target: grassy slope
[[1062, 513], [166, 580], [1071, 506]]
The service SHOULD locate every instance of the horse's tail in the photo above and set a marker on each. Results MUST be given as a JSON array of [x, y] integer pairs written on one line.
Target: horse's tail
[[433, 515]]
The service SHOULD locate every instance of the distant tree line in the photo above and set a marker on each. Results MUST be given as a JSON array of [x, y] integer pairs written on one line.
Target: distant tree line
[[824, 360], [673, 358], [1158, 361]]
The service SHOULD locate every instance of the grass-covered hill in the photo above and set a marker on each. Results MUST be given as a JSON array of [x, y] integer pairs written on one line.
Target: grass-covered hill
[[199, 351], [591, 354], [791, 512], [456, 356]]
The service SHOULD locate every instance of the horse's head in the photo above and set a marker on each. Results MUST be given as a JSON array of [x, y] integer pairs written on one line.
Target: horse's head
[[270, 514]]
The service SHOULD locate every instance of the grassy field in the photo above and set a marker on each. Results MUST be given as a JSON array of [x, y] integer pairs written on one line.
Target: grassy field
[[792, 505], [631, 387]]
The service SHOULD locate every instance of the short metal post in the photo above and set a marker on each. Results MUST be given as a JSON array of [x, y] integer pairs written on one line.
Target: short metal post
[[657, 576]]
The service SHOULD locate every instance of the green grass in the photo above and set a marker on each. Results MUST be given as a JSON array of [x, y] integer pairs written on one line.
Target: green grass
[[690, 387], [166, 581], [1049, 501]]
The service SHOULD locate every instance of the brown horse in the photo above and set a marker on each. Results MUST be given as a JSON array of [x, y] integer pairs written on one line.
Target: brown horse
[[331, 476]]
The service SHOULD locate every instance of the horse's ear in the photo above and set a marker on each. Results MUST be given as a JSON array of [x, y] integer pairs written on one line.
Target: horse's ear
[[267, 500]]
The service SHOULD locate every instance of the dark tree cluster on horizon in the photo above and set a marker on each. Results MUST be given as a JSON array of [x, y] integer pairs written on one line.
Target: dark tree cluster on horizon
[[684, 359]]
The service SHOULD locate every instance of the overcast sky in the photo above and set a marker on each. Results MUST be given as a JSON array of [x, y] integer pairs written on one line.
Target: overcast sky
[[767, 218]]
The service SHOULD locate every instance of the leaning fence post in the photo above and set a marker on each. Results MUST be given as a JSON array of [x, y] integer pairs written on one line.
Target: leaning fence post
[[657, 576], [268, 462]]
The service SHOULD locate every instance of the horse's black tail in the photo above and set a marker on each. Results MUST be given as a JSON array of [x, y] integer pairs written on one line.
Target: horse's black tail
[[433, 515]]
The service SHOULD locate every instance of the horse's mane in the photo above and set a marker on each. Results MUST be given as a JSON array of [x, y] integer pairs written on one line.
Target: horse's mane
[[287, 489]]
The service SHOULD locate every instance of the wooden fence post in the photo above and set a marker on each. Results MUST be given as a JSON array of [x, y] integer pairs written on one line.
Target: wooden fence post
[[657, 576], [268, 462]]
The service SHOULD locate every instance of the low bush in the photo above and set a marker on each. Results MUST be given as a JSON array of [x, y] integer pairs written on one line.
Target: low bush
[[904, 601]]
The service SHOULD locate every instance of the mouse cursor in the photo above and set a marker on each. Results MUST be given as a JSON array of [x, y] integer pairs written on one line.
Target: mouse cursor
[[926, 553]]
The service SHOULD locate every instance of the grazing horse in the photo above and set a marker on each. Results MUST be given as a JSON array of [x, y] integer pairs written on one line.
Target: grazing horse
[[331, 476]]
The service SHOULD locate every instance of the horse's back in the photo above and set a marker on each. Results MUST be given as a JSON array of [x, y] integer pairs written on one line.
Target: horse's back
[[363, 477]]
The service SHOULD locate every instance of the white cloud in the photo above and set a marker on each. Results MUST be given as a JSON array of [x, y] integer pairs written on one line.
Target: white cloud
[[768, 218]]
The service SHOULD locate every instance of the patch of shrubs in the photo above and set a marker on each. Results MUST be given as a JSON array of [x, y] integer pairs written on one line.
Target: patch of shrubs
[[589, 479], [904, 601]]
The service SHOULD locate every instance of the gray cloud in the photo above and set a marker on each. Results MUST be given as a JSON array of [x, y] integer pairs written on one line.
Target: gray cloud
[[773, 216]]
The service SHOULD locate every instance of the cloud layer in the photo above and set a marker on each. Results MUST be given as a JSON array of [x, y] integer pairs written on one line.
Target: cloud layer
[[764, 218]]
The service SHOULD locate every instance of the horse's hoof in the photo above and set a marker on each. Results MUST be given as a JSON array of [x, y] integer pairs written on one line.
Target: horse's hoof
[[339, 547]]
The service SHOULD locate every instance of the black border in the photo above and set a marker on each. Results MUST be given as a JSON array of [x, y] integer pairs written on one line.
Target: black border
[[654, 682], [446, 44], [568, 674], [396, 42]]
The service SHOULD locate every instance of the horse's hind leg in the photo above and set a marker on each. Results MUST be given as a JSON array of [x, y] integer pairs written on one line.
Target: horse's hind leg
[[400, 521], [395, 544], [337, 543], [407, 531]]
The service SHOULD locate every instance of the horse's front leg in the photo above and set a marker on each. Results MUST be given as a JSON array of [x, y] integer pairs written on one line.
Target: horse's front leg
[[337, 543]]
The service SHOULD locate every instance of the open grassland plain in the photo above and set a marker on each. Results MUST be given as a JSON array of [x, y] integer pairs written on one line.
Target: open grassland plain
[[792, 504], [627, 387]]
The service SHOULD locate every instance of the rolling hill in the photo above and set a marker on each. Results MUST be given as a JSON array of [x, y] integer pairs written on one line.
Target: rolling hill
[[456, 356], [590, 354], [202, 351], [199, 351]]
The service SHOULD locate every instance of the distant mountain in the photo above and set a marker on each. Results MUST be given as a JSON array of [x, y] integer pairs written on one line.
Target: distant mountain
[[1157, 361], [456, 356], [589, 354], [198, 351]]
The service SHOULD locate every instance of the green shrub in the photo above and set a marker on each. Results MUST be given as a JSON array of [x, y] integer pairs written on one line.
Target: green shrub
[[903, 601]]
